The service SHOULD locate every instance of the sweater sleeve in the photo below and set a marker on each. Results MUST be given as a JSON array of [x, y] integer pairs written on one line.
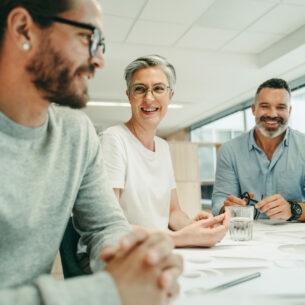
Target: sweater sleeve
[[97, 214], [93, 289]]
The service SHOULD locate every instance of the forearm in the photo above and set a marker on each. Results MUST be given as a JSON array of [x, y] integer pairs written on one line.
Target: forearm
[[188, 238], [178, 220], [179, 238]]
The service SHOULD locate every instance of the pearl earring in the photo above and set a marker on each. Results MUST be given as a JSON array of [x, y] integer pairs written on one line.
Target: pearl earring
[[26, 46]]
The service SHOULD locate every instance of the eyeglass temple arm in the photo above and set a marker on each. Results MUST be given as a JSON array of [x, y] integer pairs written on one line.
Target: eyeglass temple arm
[[247, 196]]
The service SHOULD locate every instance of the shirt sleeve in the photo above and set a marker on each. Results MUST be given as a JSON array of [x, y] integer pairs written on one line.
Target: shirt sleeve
[[226, 180], [173, 184], [115, 159]]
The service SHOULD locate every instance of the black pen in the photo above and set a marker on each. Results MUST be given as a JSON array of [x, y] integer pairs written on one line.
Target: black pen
[[234, 282]]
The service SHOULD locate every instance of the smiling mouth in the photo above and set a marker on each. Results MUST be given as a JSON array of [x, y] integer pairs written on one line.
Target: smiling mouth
[[86, 76], [271, 121], [149, 110], [86, 72]]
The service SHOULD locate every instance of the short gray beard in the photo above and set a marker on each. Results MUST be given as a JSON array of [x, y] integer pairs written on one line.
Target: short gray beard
[[271, 134]]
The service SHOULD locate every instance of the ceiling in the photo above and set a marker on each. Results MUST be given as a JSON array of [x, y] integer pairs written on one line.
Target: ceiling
[[221, 49]]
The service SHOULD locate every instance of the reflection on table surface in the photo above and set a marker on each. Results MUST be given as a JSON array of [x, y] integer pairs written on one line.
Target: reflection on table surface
[[277, 251]]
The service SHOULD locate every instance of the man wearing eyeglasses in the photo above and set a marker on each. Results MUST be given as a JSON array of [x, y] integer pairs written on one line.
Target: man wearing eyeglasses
[[264, 167], [51, 166]]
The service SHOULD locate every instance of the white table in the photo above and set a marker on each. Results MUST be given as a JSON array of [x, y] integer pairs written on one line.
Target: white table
[[277, 251]]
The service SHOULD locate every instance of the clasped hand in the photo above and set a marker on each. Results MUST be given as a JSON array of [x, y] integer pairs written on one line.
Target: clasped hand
[[144, 268]]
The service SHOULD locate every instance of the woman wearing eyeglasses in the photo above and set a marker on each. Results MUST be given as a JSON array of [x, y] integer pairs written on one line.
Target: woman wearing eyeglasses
[[139, 164]]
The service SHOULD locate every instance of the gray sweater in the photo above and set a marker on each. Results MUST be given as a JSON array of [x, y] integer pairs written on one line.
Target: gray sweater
[[47, 173]]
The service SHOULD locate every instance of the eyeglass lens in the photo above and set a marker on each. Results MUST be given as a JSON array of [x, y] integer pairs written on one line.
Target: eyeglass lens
[[97, 41], [141, 90]]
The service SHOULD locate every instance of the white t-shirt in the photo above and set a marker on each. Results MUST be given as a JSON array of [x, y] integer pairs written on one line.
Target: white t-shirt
[[145, 177]]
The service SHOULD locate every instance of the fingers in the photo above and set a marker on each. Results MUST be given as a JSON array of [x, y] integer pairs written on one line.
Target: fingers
[[267, 202], [168, 280], [226, 220], [159, 246], [212, 221], [251, 195], [108, 253], [172, 269], [203, 215], [232, 200], [274, 206], [132, 239], [155, 247], [126, 244], [173, 293], [145, 269]]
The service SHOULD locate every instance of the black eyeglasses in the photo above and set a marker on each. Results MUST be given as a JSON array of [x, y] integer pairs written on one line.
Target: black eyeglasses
[[96, 38], [246, 196]]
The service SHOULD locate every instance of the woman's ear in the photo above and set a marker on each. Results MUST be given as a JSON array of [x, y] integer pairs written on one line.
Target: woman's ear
[[128, 94], [171, 96]]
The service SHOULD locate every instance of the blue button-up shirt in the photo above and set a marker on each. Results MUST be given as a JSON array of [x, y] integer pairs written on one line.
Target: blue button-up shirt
[[244, 167]]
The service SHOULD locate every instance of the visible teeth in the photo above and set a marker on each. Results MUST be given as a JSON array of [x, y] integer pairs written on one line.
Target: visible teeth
[[149, 109]]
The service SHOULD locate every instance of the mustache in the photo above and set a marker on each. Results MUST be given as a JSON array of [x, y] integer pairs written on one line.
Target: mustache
[[268, 118], [90, 69]]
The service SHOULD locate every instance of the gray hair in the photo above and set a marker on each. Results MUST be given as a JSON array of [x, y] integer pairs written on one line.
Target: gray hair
[[151, 61]]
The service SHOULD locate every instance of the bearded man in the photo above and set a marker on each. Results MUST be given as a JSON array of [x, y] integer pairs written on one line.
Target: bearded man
[[265, 166]]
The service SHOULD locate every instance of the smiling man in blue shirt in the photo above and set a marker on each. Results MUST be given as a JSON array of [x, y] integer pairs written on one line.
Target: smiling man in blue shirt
[[268, 162]]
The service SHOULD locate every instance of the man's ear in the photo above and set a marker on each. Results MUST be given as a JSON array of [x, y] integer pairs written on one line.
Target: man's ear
[[19, 26]]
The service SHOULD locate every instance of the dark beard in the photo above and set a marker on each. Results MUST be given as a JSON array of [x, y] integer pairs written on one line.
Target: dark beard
[[51, 76]]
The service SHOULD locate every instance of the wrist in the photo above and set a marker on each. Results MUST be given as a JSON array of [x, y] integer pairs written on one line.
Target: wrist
[[178, 238], [296, 210]]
